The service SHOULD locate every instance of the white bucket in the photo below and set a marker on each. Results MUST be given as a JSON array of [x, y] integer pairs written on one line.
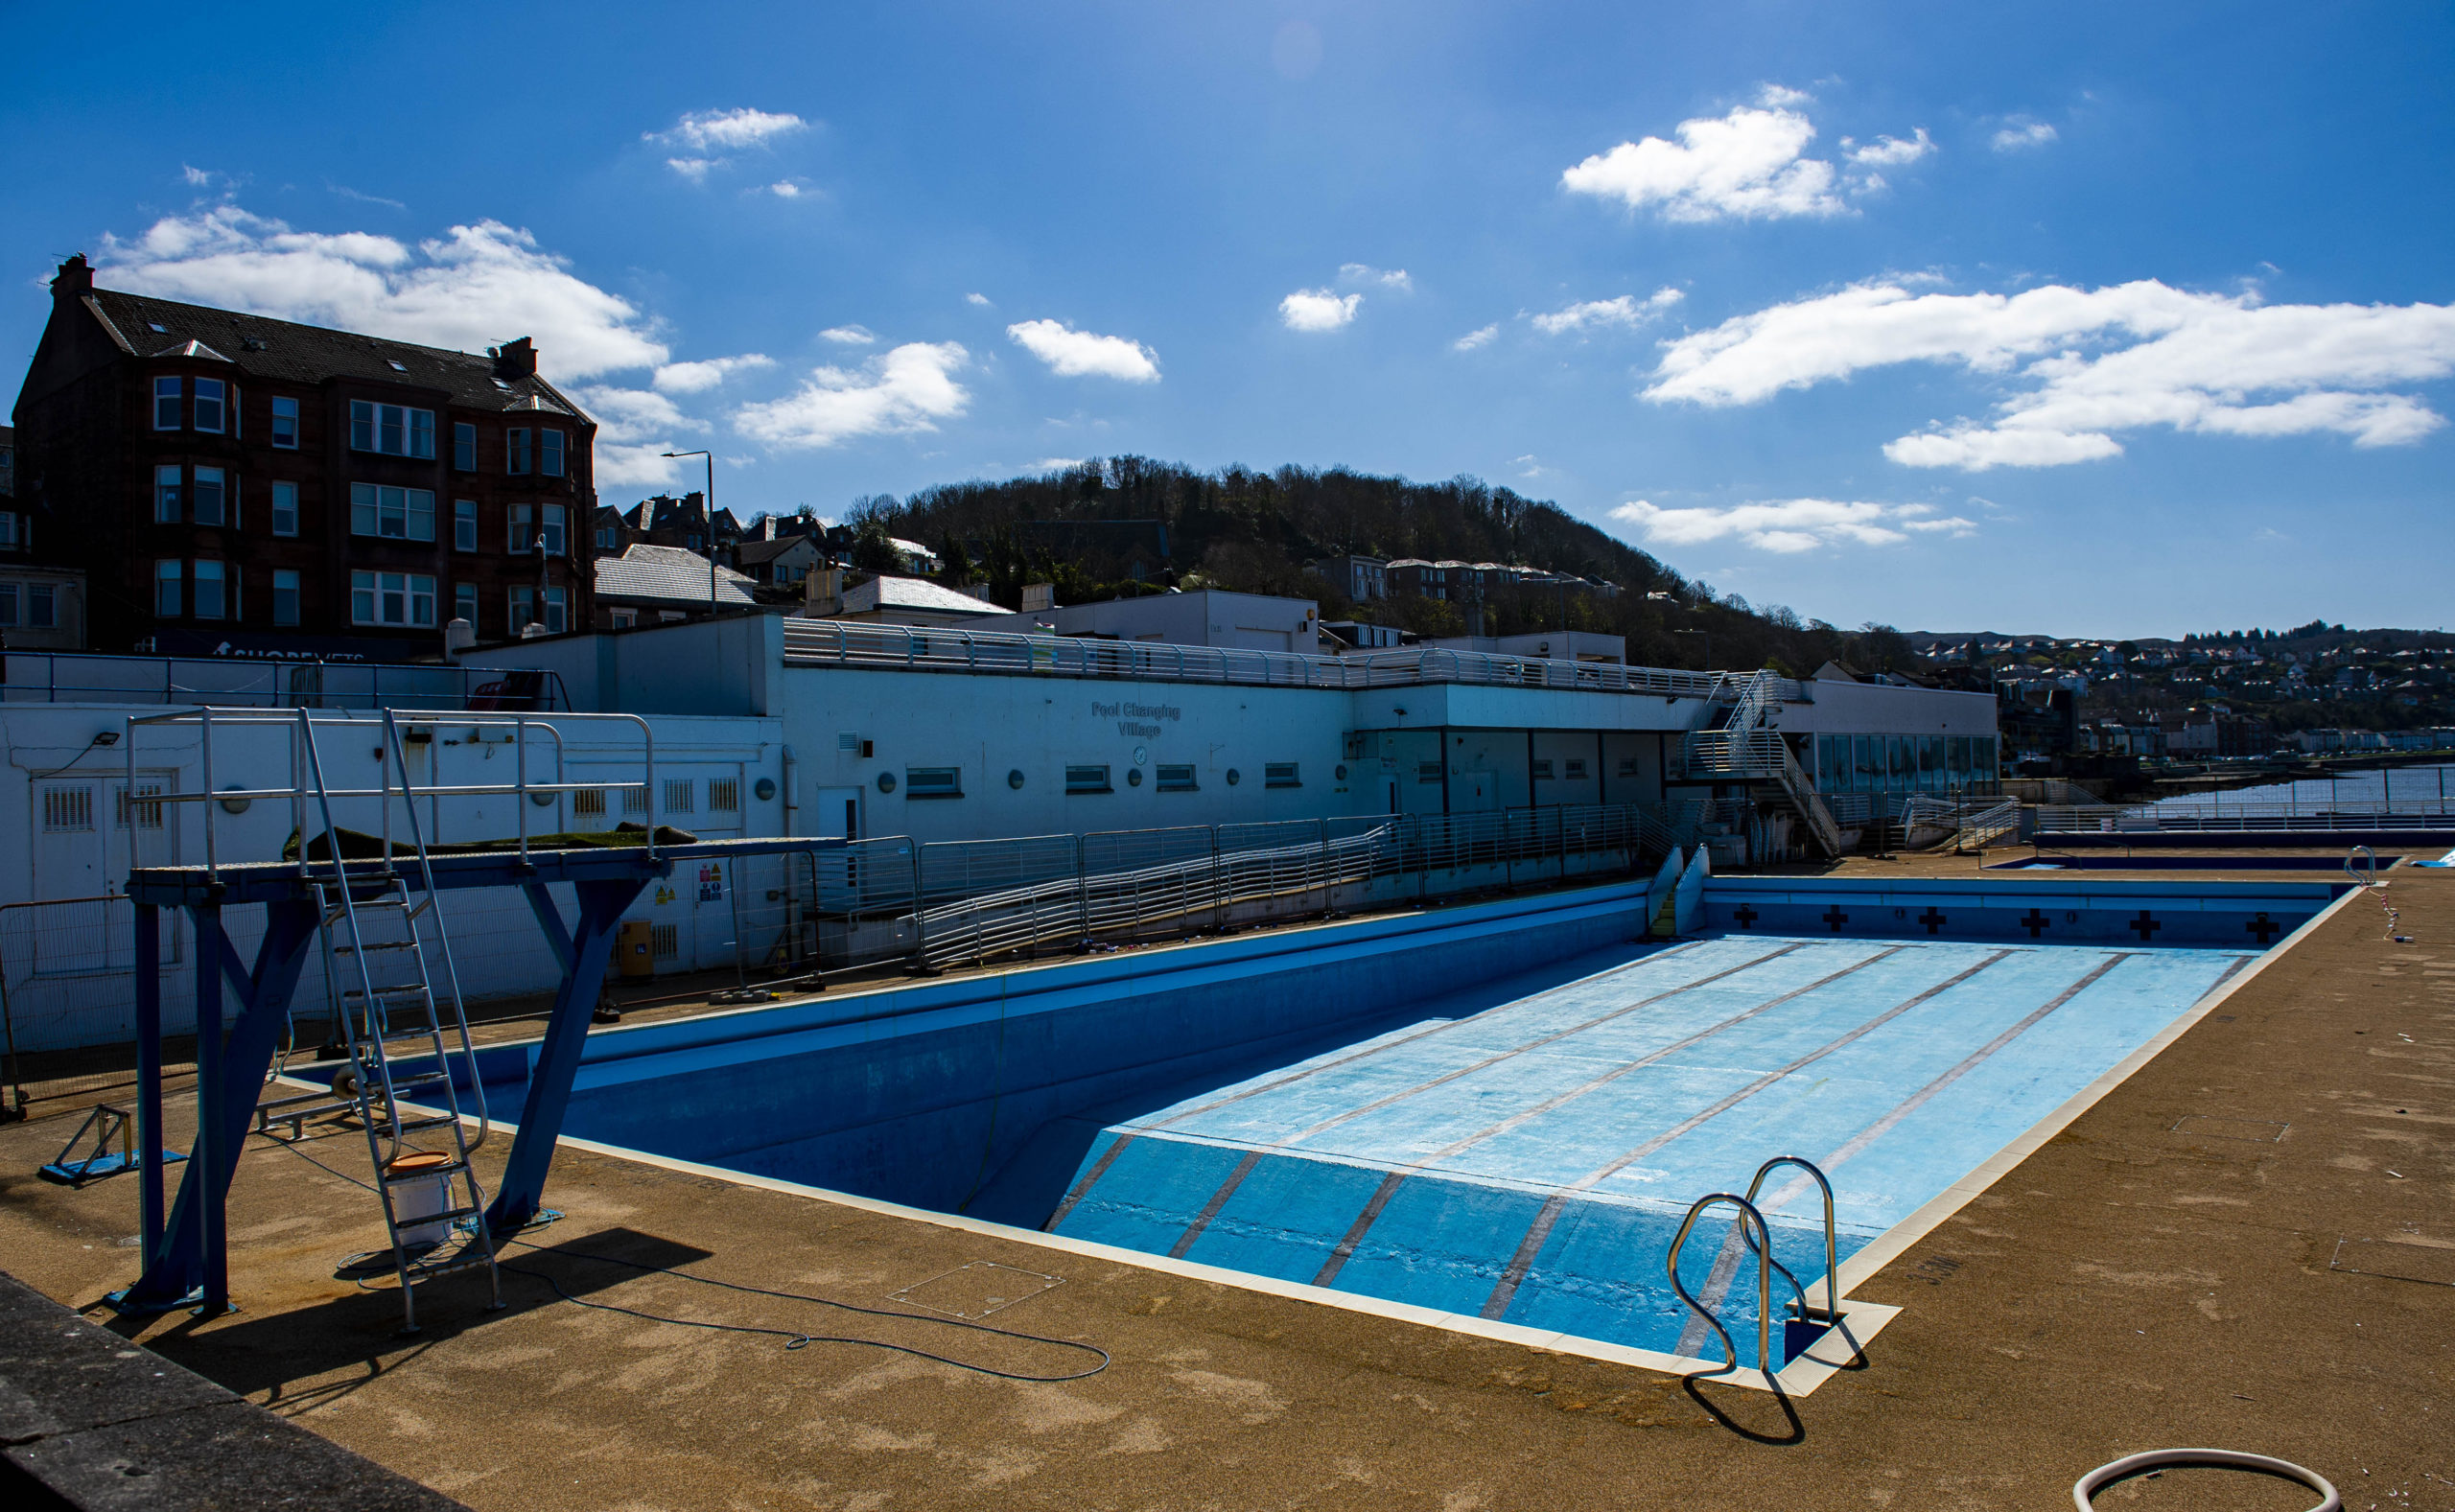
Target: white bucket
[[420, 1199]]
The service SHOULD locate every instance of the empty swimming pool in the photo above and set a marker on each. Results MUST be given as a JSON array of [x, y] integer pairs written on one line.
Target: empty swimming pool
[[1496, 1112]]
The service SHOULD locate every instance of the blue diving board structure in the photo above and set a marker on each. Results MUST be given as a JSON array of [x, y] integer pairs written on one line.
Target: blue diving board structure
[[241, 1008]]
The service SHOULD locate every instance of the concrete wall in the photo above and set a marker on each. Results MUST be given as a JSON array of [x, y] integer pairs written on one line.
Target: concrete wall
[[1207, 618], [1870, 709]]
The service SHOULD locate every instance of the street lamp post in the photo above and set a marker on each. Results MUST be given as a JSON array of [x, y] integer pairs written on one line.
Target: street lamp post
[[711, 524]]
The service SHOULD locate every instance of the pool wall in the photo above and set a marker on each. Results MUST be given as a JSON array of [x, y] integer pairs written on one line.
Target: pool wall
[[2061, 911], [920, 1094]]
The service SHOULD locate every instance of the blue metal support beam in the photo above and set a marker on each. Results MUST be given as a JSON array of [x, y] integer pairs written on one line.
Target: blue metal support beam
[[602, 904], [187, 1262]]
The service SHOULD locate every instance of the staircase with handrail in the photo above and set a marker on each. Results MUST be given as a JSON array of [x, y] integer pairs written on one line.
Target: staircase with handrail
[[1742, 745]]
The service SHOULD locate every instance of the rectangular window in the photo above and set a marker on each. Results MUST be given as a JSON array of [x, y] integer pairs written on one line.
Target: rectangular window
[[285, 424], [67, 809], [464, 447], [1280, 774], [930, 782], [42, 606], [555, 618], [1543, 770], [550, 452], [464, 603], [464, 524], [403, 514], [209, 404], [208, 589], [724, 795], [166, 590], [552, 526], [391, 598], [516, 522], [285, 509], [391, 430], [1575, 769], [1628, 766], [1086, 779], [1177, 780], [8, 539], [605, 539], [147, 814], [677, 795], [7, 604], [166, 495], [285, 595], [166, 403], [517, 439], [1427, 770], [204, 496]]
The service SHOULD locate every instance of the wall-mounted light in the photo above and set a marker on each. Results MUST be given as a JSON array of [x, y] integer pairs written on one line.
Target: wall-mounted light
[[1014, 777], [236, 805], [763, 789]]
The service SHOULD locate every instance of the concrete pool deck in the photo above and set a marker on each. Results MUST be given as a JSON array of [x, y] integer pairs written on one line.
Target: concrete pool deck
[[2244, 1243]]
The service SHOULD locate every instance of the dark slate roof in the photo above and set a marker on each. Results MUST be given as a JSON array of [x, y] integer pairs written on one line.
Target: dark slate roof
[[664, 574], [285, 351], [755, 551]]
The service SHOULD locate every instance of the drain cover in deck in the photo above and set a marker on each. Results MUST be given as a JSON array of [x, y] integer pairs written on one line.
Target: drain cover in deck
[[977, 1289], [2250, 1130]]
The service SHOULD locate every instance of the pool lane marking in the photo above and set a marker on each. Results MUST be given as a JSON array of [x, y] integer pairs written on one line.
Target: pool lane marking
[[1726, 1263], [1245, 1167], [1116, 1148], [1389, 1188], [1443, 1028], [1532, 1244]]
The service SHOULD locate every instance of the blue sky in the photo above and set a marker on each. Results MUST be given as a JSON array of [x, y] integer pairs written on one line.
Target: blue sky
[[2071, 318]]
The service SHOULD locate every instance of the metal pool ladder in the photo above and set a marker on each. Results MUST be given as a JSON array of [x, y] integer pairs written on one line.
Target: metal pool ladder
[[1761, 1240]]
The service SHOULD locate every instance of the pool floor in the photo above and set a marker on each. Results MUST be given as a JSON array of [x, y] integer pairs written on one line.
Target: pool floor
[[1528, 1162]]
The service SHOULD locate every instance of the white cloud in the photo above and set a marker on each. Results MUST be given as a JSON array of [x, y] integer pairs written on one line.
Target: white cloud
[[472, 287], [849, 335], [634, 428], [728, 131], [1741, 166], [976, 299], [1889, 151], [1318, 310], [784, 189], [1625, 312], [694, 169], [695, 377], [2089, 363], [1481, 335], [910, 389], [1386, 277], [201, 177], [1057, 464], [2023, 134], [1790, 525], [1081, 354]]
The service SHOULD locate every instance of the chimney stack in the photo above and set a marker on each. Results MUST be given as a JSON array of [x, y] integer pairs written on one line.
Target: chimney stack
[[75, 278], [516, 359]]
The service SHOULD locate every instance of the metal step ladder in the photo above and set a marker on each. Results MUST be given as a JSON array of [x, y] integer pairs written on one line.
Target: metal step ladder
[[390, 1008], [1803, 1322]]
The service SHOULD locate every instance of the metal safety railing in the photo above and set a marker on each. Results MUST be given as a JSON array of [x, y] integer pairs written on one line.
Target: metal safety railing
[[2243, 818], [302, 729], [853, 643]]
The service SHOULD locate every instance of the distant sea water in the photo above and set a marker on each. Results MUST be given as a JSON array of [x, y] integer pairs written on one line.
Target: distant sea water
[[2412, 786]]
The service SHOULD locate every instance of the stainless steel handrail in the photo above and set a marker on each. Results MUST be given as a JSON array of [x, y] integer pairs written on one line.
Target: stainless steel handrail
[[1762, 1244], [1832, 1232]]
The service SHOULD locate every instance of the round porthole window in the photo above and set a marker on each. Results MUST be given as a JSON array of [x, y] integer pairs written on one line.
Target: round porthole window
[[1134, 777], [1014, 777], [886, 782], [1341, 772], [763, 789], [1234, 777]]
